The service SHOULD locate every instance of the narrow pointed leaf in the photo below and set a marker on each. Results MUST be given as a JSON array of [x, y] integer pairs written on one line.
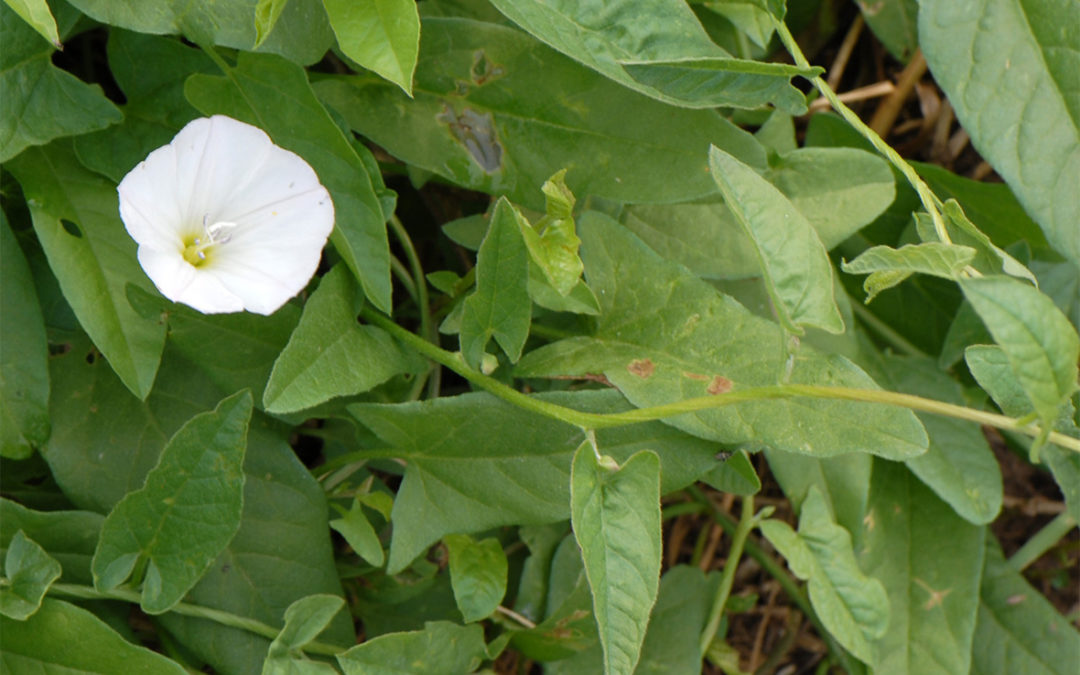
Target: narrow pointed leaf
[[1019, 104], [360, 535], [77, 221], [616, 519], [500, 306], [267, 13], [380, 35], [39, 16], [853, 607], [796, 265], [934, 258], [45, 643], [478, 574], [659, 49], [187, 512], [304, 620], [1041, 345], [28, 572], [441, 648]]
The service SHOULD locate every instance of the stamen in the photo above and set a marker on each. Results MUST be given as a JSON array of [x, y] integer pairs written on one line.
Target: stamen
[[196, 252]]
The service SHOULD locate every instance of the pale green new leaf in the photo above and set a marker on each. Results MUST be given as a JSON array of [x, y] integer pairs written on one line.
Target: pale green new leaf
[[359, 534], [474, 462], [275, 96], [1009, 69], [380, 35], [664, 336], [38, 101], [24, 369], [63, 638], [659, 49], [28, 572], [77, 221], [441, 648], [553, 242], [477, 573], [302, 33], [615, 512], [304, 620], [487, 96], [839, 190], [500, 306], [39, 16], [934, 258], [853, 607], [267, 13], [187, 512], [1040, 343], [930, 562], [796, 265], [1018, 630], [330, 354]]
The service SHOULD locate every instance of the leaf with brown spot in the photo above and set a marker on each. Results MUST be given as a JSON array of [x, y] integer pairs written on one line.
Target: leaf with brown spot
[[643, 368], [719, 385]]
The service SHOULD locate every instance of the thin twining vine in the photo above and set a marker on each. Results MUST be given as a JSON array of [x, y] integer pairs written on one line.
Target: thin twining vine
[[587, 420]]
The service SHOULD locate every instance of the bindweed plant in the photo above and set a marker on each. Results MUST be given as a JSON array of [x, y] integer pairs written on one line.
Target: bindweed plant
[[389, 337]]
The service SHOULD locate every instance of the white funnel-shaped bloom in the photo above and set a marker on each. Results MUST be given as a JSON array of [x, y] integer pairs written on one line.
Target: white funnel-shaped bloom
[[225, 220]]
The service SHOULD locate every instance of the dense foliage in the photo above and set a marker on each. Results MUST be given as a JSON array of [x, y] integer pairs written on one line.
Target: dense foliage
[[431, 460]]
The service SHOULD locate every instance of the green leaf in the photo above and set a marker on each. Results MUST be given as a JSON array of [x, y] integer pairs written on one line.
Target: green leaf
[[959, 466], [24, 369], [844, 482], [282, 551], [267, 13], [442, 648], [839, 190], [1018, 630], [330, 354], [303, 33], [1019, 104], [542, 542], [77, 221], [895, 24], [736, 475], [360, 535], [989, 259], [304, 620], [934, 258], [474, 462], [185, 515], [150, 70], [665, 336], [500, 304], [63, 638], [380, 35], [38, 101], [488, 96], [69, 536], [568, 627], [615, 511], [39, 16], [275, 95], [930, 563], [658, 49], [1041, 345], [853, 607], [478, 574], [28, 572], [552, 241], [796, 265]]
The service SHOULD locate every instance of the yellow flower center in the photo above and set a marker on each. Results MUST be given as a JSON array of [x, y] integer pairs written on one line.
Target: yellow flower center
[[199, 250]]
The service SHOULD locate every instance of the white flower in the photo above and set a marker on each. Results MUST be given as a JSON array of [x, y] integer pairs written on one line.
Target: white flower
[[225, 220]]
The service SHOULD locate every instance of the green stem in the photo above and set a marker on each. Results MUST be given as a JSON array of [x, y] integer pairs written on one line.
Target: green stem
[[926, 196], [727, 580], [885, 331], [402, 274], [1043, 541], [423, 300], [776, 571], [586, 420], [185, 609]]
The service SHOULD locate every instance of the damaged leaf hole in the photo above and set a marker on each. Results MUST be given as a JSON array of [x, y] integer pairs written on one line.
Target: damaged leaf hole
[[475, 131]]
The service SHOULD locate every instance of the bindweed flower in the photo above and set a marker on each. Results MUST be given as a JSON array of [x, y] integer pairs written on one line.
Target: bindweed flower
[[225, 220]]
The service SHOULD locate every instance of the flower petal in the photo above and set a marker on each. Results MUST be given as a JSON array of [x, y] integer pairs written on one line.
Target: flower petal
[[180, 282]]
